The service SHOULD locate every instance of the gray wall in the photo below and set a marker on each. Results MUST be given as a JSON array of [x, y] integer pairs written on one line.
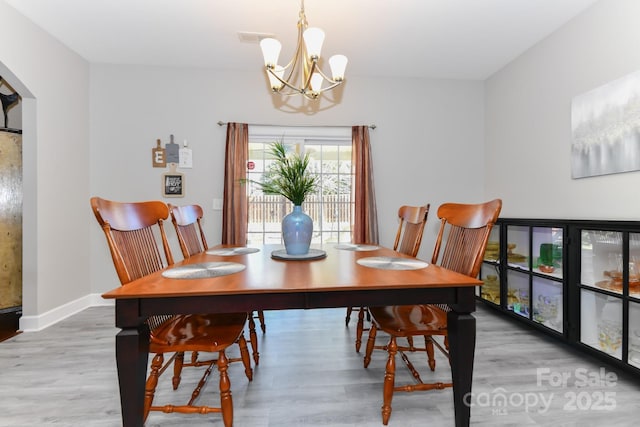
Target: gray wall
[[54, 85], [528, 119], [427, 147]]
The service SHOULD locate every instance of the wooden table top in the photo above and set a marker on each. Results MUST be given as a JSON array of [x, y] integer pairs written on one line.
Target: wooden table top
[[339, 270]]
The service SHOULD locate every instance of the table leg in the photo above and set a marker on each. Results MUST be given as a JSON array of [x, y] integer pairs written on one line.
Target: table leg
[[132, 353], [462, 343]]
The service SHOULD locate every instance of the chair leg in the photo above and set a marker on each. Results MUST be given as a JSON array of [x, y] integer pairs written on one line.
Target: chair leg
[[244, 354], [410, 366], [177, 369], [410, 343], [152, 382], [253, 337], [370, 344], [226, 403], [428, 343], [196, 392], [389, 380], [263, 325], [359, 330], [348, 318]]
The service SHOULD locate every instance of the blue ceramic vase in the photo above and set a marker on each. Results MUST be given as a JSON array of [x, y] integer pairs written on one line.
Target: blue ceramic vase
[[297, 228]]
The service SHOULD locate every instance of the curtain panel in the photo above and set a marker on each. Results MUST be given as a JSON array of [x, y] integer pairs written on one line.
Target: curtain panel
[[235, 202], [365, 222]]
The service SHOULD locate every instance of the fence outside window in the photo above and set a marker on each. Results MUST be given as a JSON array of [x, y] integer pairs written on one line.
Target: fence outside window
[[332, 217]]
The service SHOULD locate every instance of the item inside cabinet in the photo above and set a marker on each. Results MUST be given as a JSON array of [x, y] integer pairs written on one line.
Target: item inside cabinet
[[613, 281], [518, 300], [493, 251], [550, 257], [610, 326], [512, 256], [491, 289]]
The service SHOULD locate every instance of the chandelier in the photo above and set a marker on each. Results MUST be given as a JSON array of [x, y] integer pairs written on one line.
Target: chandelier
[[302, 75]]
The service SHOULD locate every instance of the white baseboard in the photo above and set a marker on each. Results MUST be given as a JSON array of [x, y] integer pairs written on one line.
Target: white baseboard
[[44, 320]]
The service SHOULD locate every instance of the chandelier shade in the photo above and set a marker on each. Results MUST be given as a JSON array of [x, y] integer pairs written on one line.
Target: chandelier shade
[[271, 51], [302, 75], [313, 39], [338, 64]]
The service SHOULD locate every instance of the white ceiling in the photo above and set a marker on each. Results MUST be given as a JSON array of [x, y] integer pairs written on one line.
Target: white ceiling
[[458, 39]]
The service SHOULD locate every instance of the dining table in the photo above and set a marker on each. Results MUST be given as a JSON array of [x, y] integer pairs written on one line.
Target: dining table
[[226, 279]]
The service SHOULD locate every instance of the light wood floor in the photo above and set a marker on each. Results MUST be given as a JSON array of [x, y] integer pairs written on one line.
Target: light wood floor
[[310, 375]]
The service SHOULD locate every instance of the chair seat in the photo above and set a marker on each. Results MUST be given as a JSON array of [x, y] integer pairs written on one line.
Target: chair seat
[[410, 320], [198, 332]]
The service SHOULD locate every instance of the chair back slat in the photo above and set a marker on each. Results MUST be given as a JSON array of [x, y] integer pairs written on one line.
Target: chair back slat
[[463, 248], [187, 221], [467, 228], [190, 239], [139, 252], [412, 220], [156, 321]]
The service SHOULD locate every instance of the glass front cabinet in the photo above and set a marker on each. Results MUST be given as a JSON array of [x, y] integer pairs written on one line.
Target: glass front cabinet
[[576, 280], [608, 290], [523, 272]]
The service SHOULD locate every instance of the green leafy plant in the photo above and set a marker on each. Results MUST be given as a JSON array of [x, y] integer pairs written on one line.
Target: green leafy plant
[[288, 175]]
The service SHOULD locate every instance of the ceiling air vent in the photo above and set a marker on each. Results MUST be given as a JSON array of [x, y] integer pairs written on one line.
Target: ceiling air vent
[[249, 37]]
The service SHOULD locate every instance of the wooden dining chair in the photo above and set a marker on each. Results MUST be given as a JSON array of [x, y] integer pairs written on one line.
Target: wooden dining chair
[[134, 232], [466, 228], [411, 223], [187, 221]]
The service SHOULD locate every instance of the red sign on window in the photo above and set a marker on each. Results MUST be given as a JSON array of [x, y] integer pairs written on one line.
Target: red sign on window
[[251, 165]]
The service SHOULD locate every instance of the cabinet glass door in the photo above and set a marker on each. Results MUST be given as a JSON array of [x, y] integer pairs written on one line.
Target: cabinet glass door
[[490, 271], [490, 276], [547, 303], [601, 260], [518, 299], [547, 251], [601, 322], [492, 253], [634, 265], [634, 334], [518, 246]]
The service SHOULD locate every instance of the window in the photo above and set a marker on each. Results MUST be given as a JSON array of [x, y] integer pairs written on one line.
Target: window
[[330, 207]]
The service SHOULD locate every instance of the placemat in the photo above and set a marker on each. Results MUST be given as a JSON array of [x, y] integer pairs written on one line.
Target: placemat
[[232, 251], [392, 263], [282, 254], [356, 247], [203, 270]]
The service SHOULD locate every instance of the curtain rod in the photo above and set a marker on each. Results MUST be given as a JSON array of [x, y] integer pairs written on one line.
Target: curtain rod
[[221, 123]]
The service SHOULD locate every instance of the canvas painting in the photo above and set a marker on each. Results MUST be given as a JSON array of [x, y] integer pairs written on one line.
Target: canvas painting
[[605, 128]]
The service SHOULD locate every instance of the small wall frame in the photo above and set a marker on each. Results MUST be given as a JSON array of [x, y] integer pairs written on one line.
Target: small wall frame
[[173, 183]]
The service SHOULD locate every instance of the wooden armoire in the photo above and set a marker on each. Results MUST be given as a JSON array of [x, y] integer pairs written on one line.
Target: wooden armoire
[[10, 231]]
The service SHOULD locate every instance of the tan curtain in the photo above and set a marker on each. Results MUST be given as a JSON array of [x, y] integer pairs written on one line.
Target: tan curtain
[[234, 214], [365, 221]]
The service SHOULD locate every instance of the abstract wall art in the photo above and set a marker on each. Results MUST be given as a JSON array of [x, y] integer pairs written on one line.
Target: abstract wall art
[[605, 128]]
